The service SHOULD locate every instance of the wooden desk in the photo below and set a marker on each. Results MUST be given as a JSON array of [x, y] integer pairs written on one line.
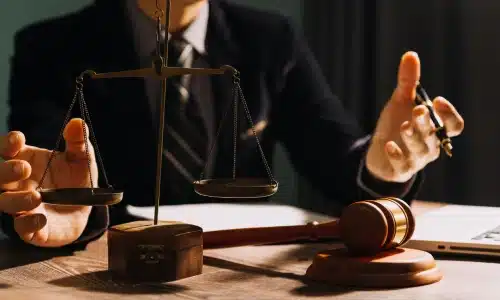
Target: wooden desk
[[259, 272]]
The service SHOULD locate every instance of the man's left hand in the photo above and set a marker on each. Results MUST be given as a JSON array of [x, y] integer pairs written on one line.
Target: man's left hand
[[404, 141]]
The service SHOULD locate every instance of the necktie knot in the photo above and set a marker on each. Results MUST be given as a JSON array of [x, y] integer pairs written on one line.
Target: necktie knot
[[179, 52]]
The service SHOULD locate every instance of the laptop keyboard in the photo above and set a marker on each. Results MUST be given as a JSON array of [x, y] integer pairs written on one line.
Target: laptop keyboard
[[492, 235]]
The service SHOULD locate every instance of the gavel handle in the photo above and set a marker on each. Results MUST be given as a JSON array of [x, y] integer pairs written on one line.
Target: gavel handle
[[269, 235]]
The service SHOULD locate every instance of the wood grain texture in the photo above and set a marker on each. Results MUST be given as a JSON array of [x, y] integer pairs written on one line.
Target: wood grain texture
[[394, 268], [252, 272]]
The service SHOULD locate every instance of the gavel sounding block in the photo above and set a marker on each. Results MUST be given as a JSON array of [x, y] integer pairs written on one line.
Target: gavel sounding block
[[141, 252], [394, 268]]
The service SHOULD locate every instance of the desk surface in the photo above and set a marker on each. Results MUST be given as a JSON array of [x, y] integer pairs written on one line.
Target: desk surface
[[257, 272]]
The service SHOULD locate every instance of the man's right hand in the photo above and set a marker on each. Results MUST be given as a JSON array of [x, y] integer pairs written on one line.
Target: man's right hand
[[35, 222]]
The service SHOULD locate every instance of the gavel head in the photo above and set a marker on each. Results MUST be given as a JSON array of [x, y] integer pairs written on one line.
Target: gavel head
[[369, 227]]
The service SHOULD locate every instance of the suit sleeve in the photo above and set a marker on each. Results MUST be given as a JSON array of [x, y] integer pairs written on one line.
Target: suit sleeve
[[324, 143], [39, 96]]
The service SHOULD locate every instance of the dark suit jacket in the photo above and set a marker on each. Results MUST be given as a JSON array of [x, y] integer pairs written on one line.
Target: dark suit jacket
[[281, 81]]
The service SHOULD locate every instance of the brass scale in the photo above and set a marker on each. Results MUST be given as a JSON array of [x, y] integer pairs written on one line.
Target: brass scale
[[233, 188]]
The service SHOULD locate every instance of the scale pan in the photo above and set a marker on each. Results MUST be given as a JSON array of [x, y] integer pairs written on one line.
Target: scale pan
[[236, 188], [82, 196]]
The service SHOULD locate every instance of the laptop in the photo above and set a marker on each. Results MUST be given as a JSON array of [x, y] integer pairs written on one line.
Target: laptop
[[458, 229]]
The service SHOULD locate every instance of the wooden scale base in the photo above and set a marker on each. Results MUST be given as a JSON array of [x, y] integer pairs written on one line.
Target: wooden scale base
[[141, 252]]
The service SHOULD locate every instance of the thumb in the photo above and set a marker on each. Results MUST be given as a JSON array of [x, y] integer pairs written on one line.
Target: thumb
[[76, 140], [408, 77]]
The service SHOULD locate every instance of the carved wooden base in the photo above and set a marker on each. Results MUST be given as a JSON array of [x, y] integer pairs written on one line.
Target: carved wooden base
[[396, 268], [140, 251]]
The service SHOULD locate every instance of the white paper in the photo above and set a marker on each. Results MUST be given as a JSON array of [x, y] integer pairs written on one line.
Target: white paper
[[219, 216]]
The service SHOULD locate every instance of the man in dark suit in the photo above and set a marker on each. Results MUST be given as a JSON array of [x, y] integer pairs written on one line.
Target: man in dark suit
[[287, 96]]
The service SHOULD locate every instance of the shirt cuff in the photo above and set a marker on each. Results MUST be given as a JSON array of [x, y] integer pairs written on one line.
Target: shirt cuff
[[378, 188]]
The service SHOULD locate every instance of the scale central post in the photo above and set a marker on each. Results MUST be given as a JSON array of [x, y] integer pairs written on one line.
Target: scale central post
[[164, 64]]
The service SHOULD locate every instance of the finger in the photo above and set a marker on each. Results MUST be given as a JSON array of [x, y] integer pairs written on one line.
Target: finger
[[14, 145], [414, 145], [452, 120], [11, 144], [75, 142], [31, 227], [421, 122], [408, 77], [13, 171], [396, 158], [19, 201], [425, 129]]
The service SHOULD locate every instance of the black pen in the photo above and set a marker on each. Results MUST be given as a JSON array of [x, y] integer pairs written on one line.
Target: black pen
[[423, 99]]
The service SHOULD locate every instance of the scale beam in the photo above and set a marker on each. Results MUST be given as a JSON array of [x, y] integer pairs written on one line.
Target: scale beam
[[164, 73]]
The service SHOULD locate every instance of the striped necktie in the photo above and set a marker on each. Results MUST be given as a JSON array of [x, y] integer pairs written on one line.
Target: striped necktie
[[185, 137]]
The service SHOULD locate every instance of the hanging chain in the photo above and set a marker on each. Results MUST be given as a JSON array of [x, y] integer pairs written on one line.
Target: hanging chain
[[235, 128], [82, 111], [249, 117], [94, 141], [238, 94], [229, 103], [159, 30], [86, 120], [158, 36], [58, 142]]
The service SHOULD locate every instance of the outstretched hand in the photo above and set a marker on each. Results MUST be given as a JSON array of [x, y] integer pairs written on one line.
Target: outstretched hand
[[404, 141], [35, 222]]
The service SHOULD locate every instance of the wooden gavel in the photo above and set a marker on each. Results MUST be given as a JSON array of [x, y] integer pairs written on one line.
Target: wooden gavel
[[365, 228], [141, 251]]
